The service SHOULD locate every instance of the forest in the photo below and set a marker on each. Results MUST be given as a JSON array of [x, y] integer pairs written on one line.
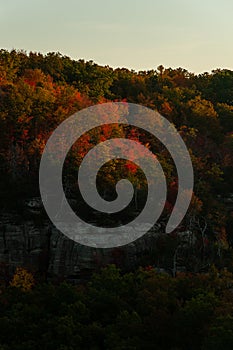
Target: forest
[[121, 309], [137, 310]]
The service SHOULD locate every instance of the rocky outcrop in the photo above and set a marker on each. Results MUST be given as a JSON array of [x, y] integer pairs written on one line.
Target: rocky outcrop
[[29, 239], [32, 241]]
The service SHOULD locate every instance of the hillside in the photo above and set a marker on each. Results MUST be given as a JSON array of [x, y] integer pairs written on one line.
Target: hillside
[[38, 92]]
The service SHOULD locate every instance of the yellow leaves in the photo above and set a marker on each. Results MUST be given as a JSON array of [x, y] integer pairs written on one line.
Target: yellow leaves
[[201, 107], [37, 145], [186, 132], [215, 171], [166, 108], [22, 279], [223, 237], [196, 203]]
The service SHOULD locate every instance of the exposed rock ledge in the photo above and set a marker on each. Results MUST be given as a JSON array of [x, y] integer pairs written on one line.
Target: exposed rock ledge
[[35, 243]]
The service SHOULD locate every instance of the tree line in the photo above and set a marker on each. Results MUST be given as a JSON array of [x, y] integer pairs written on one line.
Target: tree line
[[38, 92]]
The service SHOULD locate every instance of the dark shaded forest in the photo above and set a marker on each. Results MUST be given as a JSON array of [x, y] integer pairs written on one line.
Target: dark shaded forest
[[142, 309]]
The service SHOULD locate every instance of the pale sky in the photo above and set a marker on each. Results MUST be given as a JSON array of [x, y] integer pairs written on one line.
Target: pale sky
[[136, 34]]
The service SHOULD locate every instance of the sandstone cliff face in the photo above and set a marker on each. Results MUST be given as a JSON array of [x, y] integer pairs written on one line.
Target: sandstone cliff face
[[29, 239], [34, 242]]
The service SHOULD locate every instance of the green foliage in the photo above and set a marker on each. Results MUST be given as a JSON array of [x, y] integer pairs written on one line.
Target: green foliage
[[140, 310]]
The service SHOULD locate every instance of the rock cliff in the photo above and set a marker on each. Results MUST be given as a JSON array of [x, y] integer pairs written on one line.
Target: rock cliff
[[34, 242]]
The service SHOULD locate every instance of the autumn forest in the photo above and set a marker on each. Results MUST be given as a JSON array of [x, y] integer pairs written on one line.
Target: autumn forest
[[177, 293]]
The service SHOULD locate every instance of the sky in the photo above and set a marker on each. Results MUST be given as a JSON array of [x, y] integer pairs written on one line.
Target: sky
[[137, 34]]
